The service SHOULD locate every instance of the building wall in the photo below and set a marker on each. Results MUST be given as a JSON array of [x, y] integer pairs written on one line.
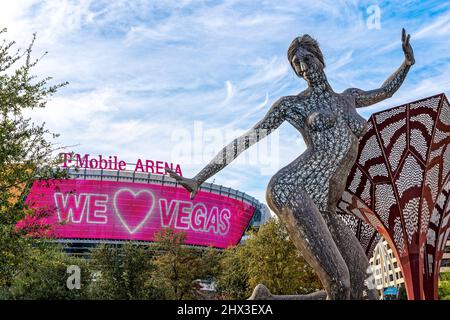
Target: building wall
[[445, 266], [386, 269]]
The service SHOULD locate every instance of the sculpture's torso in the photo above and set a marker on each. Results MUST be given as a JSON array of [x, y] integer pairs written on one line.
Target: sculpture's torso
[[330, 127]]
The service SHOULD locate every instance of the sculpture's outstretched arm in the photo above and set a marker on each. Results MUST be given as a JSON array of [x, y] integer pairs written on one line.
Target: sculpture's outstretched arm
[[272, 120], [391, 85]]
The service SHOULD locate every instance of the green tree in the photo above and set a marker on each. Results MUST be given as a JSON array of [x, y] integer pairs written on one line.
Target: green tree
[[233, 280], [123, 273], [25, 152], [268, 257], [444, 286], [177, 267], [43, 275], [210, 263], [164, 270]]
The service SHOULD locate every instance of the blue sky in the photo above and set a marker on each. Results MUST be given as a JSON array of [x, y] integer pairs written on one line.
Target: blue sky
[[144, 74]]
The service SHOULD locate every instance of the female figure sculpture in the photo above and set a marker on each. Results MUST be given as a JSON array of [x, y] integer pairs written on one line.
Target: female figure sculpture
[[304, 194]]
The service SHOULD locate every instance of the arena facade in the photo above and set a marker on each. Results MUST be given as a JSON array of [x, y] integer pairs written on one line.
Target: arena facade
[[97, 206]]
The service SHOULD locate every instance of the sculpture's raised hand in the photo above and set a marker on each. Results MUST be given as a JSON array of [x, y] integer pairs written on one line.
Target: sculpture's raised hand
[[407, 49], [189, 184]]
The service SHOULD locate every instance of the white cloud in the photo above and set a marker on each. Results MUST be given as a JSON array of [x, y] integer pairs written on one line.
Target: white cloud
[[439, 27], [138, 69]]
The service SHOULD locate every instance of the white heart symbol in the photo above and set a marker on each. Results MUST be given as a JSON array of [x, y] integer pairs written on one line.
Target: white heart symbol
[[135, 194]]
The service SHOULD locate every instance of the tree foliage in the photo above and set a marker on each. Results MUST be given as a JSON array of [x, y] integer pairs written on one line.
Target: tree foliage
[[43, 275], [165, 270], [268, 257], [177, 267], [233, 281], [25, 151], [122, 273], [444, 286]]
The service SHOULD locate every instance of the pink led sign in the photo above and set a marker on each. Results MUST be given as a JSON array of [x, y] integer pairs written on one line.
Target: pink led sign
[[93, 209]]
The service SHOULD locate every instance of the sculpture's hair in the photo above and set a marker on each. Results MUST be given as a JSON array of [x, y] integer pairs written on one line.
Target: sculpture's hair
[[307, 43]]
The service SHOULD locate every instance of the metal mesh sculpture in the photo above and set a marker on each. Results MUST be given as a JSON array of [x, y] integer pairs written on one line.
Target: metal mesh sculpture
[[400, 185], [304, 194], [366, 234]]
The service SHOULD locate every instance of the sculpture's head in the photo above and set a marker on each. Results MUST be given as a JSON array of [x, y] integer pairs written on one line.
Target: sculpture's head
[[305, 57]]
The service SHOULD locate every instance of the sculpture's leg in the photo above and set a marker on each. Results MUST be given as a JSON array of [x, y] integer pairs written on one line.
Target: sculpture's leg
[[309, 233], [262, 293], [353, 254]]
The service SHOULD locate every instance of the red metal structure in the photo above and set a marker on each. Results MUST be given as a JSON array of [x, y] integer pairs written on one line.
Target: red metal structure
[[400, 186]]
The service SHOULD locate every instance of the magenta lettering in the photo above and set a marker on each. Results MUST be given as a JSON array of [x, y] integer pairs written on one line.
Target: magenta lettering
[[183, 217], [70, 207], [167, 212], [159, 167], [95, 209], [76, 208], [101, 162], [198, 217], [122, 165], [81, 162], [139, 167]]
